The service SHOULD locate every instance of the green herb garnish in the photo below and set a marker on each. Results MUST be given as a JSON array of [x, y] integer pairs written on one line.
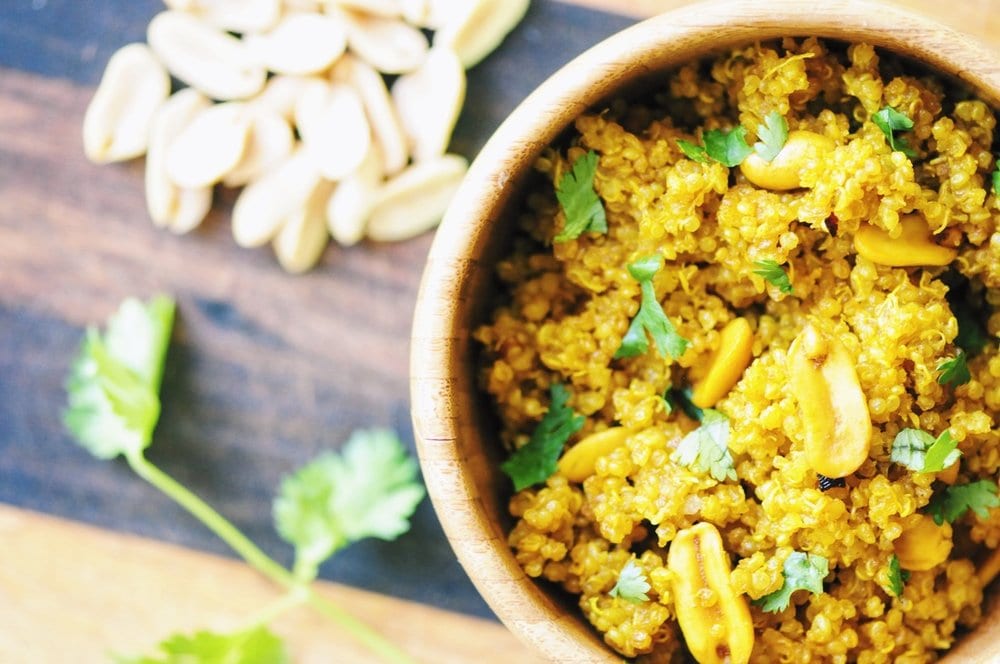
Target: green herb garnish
[[996, 178], [729, 148], [692, 150], [632, 584], [773, 273], [650, 317], [707, 447], [802, 571], [580, 203], [955, 371], [954, 501], [889, 120], [537, 459], [922, 453], [897, 576], [772, 134], [114, 405]]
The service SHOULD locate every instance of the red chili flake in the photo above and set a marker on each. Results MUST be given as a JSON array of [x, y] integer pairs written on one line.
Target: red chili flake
[[832, 223]]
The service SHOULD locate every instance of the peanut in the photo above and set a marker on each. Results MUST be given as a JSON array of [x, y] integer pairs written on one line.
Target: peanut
[[715, 620], [352, 202], [387, 130], [726, 365], [386, 8], [204, 57], [300, 44], [914, 246], [832, 407], [270, 142], [232, 15], [784, 171], [989, 569], [334, 129], [282, 93], [415, 200], [388, 44], [116, 124], [479, 27], [303, 237], [428, 102], [577, 464], [210, 146], [175, 208], [923, 545]]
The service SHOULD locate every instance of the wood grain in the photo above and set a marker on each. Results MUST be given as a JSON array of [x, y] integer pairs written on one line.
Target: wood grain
[[455, 436], [115, 593]]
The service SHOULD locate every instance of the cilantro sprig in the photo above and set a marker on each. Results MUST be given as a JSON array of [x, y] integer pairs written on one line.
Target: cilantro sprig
[[707, 447], [995, 178], [536, 460], [922, 453], [802, 571], [955, 371], [897, 576], [580, 203], [631, 584], [650, 318], [772, 135], [369, 491], [773, 272], [728, 147], [889, 120], [954, 501]]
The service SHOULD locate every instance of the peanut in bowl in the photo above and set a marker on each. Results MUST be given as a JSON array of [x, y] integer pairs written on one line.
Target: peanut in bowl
[[733, 342]]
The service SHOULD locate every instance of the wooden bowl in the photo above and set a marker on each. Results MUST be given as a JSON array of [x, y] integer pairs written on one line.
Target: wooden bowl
[[453, 423]]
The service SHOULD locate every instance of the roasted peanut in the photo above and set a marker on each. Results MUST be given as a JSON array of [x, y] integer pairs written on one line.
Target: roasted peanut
[[303, 237], [479, 28], [387, 130], [923, 545], [300, 44], [833, 409], [428, 101], [232, 15], [415, 200], [334, 129], [388, 44], [784, 171], [715, 620], [210, 146], [116, 125], [726, 365], [914, 246], [352, 202], [270, 142], [577, 464], [989, 569]]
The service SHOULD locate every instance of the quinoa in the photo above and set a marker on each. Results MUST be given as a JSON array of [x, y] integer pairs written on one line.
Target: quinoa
[[565, 307]]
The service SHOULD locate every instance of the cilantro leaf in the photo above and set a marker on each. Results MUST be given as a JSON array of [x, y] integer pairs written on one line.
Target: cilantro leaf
[[632, 584], [692, 151], [954, 371], [774, 273], [889, 120], [114, 382], [954, 501], [897, 576], [369, 490], [707, 447], [580, 203], [922, 453], [682, 398], [996, 178], [254, 646], [650, 317], [729, 148], [536, 460], [803, 571], [772, 134]]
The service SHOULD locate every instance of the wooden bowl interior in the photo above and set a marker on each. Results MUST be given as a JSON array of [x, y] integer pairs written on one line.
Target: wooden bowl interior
[[453, 422]]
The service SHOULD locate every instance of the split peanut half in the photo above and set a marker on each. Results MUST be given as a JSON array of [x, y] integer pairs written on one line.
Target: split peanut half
[[479, 27], [303, 236], [387, 130], [207, 59], [428, 102], [431, 14], [210, 146], [388, 44], [263, 206], [385, 8], [176, 208], [300, 44], [232, 15], [414, 201], [116, 124], [353, 200], [282, 93], [334, 129], [269, 143]]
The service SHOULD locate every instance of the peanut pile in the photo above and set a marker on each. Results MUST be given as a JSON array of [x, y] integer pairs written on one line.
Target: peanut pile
[[287, 99]]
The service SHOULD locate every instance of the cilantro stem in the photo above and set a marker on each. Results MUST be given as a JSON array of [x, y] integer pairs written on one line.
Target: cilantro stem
[[263, 563]]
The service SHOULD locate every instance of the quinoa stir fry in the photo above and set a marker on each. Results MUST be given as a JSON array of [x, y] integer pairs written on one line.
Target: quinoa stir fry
[[746, 365]]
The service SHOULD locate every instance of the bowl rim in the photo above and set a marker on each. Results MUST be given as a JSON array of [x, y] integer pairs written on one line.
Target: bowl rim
[[438, 339]]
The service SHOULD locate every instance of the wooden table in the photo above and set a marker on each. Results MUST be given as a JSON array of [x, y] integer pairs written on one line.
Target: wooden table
[[265, 370]]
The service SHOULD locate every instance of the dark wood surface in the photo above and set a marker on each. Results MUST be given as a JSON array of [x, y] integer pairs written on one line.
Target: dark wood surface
[[265, 369]]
